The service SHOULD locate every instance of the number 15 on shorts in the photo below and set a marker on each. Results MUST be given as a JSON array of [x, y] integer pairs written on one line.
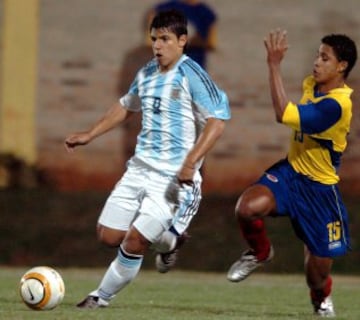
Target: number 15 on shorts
[[334, 229]]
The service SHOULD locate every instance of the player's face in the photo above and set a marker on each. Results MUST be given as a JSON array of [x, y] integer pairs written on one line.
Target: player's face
[[167, 47], [327, 69]]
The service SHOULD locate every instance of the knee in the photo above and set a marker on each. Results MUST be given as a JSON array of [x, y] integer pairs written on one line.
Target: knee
[[256, 202], [248, 209], [109, 241], [135, 242], [109, 237], [244, 210]]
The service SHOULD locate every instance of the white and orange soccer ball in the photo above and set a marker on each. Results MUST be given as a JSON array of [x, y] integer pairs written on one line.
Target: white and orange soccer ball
[[42, 288]]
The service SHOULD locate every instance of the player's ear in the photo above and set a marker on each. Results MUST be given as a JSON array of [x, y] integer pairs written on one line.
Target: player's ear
[[183, 40], [342, 66]]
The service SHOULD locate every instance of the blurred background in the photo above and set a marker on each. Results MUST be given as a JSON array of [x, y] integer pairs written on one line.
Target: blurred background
[[63, 63]]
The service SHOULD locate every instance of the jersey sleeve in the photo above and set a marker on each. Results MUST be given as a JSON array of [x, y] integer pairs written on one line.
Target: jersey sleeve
[[312, 118], [210, 100], [131, 100], [291, 116]]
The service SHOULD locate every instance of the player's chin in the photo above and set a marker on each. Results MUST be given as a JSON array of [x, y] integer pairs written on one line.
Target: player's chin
[[162, 60], [317, 77]]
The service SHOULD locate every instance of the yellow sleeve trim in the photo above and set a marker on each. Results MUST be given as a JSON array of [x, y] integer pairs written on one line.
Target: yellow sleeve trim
[[291, 116]]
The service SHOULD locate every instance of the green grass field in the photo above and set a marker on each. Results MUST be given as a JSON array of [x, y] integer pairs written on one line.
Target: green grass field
[[184, 295]]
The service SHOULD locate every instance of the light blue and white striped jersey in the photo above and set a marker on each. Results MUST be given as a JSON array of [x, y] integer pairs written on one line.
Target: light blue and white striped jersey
[[175, 106]]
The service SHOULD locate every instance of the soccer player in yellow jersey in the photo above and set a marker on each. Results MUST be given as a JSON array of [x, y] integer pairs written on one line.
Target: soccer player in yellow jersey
[[304, 185]]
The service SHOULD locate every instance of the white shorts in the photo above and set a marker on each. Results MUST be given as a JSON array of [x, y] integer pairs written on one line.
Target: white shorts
[[150, 201]]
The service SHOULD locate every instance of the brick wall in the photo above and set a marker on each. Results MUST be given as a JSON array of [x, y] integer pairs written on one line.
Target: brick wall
[[89, 48]]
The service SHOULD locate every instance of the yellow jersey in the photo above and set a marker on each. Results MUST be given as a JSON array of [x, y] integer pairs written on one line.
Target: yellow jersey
[[320, 123]]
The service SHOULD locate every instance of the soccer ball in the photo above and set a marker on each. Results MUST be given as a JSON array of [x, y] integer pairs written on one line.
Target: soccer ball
[[42, 288]]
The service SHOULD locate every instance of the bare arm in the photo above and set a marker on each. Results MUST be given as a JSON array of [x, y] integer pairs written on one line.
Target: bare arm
[[276, 47], [211, 133], [113, 117]]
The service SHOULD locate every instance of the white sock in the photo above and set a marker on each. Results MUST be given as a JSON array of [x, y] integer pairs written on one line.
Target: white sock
[[166, 242], [121, 271]]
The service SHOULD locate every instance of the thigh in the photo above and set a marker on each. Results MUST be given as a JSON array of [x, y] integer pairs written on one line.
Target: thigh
[[155, 212], [118, 215], [150, 226], [277, 179], [122, 206]]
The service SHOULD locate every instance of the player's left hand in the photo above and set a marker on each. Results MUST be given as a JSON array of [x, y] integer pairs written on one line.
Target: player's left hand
[[276, 45], [186, 175]]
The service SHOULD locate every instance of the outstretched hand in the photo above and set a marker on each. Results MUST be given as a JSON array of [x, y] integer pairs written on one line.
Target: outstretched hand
[[76, 139], [276, 46]]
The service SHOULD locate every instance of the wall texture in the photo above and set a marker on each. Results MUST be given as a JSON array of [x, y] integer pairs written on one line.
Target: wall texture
[[90, 48]]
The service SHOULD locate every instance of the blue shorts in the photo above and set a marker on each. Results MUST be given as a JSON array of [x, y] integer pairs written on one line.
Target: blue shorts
[[316, 210]]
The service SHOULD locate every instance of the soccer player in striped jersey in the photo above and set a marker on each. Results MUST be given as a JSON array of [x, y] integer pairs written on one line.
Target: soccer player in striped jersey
[[183, 115], [304, 185]]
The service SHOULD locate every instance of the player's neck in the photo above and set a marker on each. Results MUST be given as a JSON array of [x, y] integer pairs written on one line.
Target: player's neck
[[171, 65], [328, 86]]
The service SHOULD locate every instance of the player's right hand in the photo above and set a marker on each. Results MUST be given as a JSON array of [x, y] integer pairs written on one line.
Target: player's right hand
[[76, 139]]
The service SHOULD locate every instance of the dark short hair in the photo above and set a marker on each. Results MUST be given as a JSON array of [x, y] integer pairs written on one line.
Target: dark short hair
[[344, 48], [173, 20]]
